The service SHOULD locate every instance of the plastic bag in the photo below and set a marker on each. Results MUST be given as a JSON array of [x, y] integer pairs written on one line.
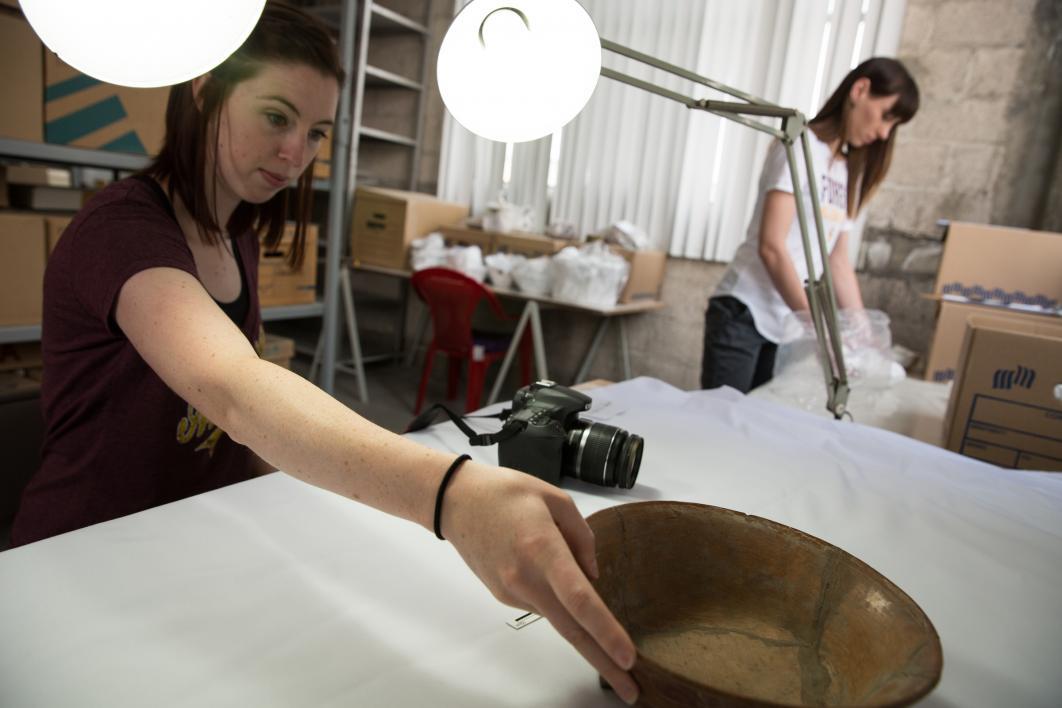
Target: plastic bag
[[500, 268], [432, 252], [468, 260], [533, 276], [592, 275], [627, 235], [866, 342], [428, 252], [504, 216]]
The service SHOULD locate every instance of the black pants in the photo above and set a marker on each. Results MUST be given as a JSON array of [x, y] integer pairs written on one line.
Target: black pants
[[735, 354]]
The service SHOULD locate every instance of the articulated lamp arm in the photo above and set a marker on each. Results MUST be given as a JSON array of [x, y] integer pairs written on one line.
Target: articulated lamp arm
[[819, 287], [535, 67]]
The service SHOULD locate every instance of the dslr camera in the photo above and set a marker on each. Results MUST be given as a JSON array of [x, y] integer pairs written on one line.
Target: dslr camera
[[546, 438]]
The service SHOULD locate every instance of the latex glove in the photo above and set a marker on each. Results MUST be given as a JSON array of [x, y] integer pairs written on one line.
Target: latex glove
[[528, 543], [857, 329]]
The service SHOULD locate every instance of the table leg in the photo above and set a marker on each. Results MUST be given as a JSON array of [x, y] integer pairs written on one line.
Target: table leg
[[624, 348], [418, 336], [531, 316], [318, 351], [403, 312], [595, 343], [352, 332], [538, 342]]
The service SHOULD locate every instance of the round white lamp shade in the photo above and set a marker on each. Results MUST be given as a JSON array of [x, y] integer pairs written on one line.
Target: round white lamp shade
[[518, 70], [143, 43]]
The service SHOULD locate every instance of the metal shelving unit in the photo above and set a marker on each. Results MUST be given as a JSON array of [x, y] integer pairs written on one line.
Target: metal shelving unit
[[378, 21], [362, 21], [74, 157], [356, 22], [20, 333]]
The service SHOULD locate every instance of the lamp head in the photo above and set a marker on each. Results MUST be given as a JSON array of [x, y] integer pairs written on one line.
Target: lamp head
[[143, 44], [518, 70]]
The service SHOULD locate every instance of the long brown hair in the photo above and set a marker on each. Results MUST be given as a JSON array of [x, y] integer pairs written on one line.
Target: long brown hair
[[285, 35], [867, 165]]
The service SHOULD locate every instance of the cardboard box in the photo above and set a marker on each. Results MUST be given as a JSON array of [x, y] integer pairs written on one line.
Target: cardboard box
[[20, 356], [463, 236], [387, 220], [1014, 271], [1006, 406], [646, 276], [21, 269], [20, 368], [951, 328], [278, 350], [1001, 265], [36, 198], [39, 175], [322, 170], [85, 112], [278, 284], [21, 95], [527, 244], [322, 166], [54, 225]]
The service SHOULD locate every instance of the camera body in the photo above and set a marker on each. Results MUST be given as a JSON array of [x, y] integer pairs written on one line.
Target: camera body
[[548, 440], [549, 411]]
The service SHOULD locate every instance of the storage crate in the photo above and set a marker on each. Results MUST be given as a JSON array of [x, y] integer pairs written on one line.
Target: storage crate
[[278, 284], [387, 220]]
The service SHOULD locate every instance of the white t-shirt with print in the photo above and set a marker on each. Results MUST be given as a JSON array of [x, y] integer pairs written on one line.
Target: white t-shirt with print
[[747, 278]]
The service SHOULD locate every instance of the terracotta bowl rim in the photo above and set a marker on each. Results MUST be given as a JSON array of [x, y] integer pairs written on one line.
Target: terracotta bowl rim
[[936, 659]]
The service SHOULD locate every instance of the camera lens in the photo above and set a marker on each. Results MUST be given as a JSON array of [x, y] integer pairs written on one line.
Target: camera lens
[[602, 454]]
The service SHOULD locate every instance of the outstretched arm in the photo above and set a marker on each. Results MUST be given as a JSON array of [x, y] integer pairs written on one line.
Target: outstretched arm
[[524, 538]]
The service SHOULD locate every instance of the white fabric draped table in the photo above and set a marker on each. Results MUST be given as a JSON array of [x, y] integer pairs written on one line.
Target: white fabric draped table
[[275, 593]]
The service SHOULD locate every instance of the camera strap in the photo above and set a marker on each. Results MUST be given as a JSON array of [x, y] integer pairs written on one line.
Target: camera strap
[[510, 430]]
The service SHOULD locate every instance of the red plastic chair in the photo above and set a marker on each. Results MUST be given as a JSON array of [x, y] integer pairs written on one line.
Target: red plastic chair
[[452, 297]]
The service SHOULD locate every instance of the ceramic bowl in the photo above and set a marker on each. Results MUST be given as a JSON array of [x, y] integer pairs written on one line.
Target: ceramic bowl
[[728, 609]]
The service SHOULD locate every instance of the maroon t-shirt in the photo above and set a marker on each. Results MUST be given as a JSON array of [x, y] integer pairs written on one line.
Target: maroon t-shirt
[[117, 439]]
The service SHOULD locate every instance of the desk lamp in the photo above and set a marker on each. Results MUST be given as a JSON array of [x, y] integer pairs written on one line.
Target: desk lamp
[[519, 70], [143, 43]]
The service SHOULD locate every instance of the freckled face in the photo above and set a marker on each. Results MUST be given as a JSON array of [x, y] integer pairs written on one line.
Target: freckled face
[[870, 117], [271, 128]]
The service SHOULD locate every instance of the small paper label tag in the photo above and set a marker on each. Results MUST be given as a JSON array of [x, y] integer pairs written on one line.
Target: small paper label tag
[[524, 620]]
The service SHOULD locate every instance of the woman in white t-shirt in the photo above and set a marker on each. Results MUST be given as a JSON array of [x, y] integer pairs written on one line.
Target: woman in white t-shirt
[[851, 143]]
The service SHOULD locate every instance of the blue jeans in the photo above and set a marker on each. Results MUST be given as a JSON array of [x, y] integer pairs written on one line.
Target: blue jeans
[[735, 354]]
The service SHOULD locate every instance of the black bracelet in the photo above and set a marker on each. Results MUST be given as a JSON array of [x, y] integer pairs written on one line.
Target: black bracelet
[[442, 489]]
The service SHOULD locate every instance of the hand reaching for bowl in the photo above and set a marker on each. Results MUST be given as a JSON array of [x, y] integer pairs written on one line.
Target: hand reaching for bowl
[[528, 543]]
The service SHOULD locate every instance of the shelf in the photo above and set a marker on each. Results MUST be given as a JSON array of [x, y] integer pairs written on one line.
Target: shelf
[[23, 333], [387, 20], [61, 154], [375, 76], [384, 20], [384, 136], [292, 312]]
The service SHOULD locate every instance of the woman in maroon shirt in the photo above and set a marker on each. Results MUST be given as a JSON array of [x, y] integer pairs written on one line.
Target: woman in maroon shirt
[[153, 391]]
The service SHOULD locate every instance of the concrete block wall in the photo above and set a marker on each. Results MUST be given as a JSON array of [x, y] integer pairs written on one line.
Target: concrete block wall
[[984, 146]]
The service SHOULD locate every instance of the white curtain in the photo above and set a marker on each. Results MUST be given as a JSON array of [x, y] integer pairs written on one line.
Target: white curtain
[[527, 186], [687, 177]]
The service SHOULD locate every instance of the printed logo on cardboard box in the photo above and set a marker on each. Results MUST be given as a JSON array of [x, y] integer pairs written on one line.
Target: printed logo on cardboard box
[[1009, 378], [84, 112]]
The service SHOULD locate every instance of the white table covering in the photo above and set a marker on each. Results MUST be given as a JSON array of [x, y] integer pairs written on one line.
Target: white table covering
[[274, 593]]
